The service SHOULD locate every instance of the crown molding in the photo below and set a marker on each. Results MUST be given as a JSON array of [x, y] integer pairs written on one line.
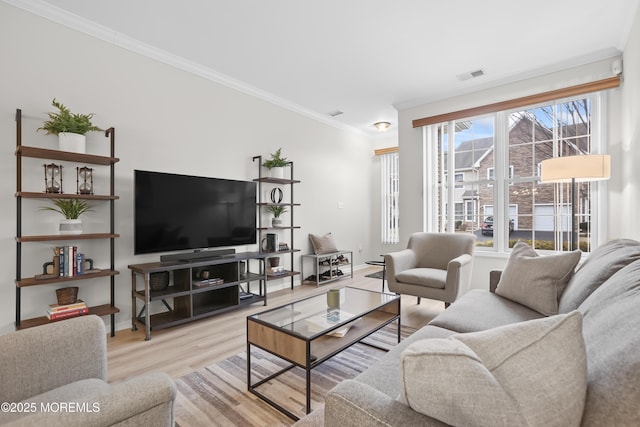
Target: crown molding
[[75, 22]]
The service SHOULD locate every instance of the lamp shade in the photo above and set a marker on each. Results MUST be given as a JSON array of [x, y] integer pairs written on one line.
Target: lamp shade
[[588, 167]]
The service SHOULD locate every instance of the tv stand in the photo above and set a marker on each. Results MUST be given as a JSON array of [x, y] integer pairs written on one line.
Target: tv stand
[[193, 289]]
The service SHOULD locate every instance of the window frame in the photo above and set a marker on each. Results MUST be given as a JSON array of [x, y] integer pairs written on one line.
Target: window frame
[[598, 190]]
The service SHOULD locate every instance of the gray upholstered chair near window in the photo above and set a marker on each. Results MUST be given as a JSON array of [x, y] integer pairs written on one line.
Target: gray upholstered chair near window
[[434, 265]]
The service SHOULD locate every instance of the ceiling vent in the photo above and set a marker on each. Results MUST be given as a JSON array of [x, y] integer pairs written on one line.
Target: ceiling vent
[[471, 74]]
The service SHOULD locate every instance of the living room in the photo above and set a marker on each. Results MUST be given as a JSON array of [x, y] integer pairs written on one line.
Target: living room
[[171, 120]]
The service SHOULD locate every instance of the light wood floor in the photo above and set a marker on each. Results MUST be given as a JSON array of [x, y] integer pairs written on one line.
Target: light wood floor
[[186, 348]]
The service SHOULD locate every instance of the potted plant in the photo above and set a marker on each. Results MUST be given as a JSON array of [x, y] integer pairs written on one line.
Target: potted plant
[[71, 209], [276, 164], [277, 210], [71, 128]]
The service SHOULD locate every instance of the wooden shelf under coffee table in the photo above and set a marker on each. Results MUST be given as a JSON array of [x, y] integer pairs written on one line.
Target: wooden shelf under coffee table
[[286, 332]]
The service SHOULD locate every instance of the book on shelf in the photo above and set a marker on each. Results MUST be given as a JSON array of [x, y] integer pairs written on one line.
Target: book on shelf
[[68, 314], [330, 318], [276, 271], [69, 261], [208, 282], [56, 308]]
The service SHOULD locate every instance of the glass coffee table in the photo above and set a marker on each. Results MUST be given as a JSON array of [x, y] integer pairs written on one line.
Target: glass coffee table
[[308, 332]]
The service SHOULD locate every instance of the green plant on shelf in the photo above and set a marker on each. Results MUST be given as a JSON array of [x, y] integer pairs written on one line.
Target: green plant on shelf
[[69, 208], [277, 210], [276, 160], [65, 121]]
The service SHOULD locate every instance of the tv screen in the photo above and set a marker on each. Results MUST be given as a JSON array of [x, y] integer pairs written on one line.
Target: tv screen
[[178, 212]]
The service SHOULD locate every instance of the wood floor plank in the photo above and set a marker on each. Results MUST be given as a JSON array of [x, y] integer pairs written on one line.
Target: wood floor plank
[[186, 348]]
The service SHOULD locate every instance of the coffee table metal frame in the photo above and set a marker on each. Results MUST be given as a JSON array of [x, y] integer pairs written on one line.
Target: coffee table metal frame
[[291, 340]]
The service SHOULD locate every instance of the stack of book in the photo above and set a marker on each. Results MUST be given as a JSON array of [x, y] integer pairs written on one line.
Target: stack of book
[[276, 271], [66, 311], [329, 319], [208, 282], [68, 261]]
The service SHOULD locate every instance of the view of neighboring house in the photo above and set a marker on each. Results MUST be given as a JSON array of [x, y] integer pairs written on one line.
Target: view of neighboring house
[[532, 205]]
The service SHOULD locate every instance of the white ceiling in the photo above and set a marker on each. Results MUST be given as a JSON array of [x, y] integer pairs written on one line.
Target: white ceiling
[[363, 57]]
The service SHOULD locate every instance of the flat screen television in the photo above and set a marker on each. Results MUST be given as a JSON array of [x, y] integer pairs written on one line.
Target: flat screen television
[[180, 212]]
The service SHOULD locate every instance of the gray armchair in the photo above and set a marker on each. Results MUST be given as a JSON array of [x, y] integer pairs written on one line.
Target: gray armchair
[[65, 363], [434, 265]]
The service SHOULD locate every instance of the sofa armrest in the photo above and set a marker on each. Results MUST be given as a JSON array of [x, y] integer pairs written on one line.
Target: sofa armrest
[[494, 279], [36, 360], [352, 403]]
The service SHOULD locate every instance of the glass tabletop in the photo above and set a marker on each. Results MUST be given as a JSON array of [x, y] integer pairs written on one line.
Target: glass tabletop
[[313, 316]]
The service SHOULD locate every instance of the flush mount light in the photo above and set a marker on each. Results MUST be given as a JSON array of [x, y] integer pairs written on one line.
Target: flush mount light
[[382, 126]]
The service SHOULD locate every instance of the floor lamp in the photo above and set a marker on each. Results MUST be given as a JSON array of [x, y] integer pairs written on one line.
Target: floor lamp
[[583, 168]]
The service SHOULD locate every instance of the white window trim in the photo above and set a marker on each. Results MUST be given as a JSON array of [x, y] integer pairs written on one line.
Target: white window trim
[[599, 189]]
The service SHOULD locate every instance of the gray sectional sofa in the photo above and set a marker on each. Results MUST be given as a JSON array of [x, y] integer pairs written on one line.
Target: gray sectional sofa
[[56, 375], [602, 296]]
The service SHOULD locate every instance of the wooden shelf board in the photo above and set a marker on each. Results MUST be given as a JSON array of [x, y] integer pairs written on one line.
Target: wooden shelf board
[[55, 237], [278, 204], [166, 319], [286, 274], [32, 281], [296, 227], [270, 180], [100, 310], [45, 153], [35, 195], [167, 293]]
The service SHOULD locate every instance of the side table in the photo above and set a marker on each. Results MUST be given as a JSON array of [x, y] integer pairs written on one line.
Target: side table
[[384, 269]]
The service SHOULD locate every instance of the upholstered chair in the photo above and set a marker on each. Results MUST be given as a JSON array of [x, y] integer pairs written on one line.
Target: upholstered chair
[[434, 265]]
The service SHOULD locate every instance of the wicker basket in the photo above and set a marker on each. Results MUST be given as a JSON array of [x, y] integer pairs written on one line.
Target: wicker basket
[[67, 295], [159, 281]]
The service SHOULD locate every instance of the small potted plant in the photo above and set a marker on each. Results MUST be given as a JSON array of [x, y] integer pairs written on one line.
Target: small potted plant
[[71, 128], [277, 210], [276, 164], [71, 209]]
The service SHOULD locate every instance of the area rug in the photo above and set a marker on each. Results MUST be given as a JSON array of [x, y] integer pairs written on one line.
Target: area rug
[[376, 275], [217, 395]]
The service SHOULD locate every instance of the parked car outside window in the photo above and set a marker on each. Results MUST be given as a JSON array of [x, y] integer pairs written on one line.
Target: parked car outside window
[[487, 226]]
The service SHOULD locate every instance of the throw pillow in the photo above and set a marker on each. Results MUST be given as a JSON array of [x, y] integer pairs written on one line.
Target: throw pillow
[[536, 281], [323, 244], [529, 373]]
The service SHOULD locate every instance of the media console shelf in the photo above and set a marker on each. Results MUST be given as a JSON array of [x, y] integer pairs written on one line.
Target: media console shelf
[[195, 289]]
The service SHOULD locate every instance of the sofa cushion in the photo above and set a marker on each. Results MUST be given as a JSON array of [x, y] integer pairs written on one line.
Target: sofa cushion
[[601, 264], [431, 277], [479, 310], [530, 373], [323, 244], [612, 338], [536, 281]]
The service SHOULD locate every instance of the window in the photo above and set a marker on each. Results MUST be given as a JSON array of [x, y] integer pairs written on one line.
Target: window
[[500, 154], [389, 197], [459, 178]]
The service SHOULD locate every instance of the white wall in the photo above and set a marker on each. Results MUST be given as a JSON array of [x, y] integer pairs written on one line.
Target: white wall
[[624, 222], [166, 120], [410, 142]]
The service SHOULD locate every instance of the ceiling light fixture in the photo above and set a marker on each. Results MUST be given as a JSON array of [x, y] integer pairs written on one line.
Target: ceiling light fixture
[[382, 126]]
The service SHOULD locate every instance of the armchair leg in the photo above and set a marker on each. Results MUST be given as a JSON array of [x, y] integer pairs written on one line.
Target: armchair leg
[[418, 300], [446, 305]]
